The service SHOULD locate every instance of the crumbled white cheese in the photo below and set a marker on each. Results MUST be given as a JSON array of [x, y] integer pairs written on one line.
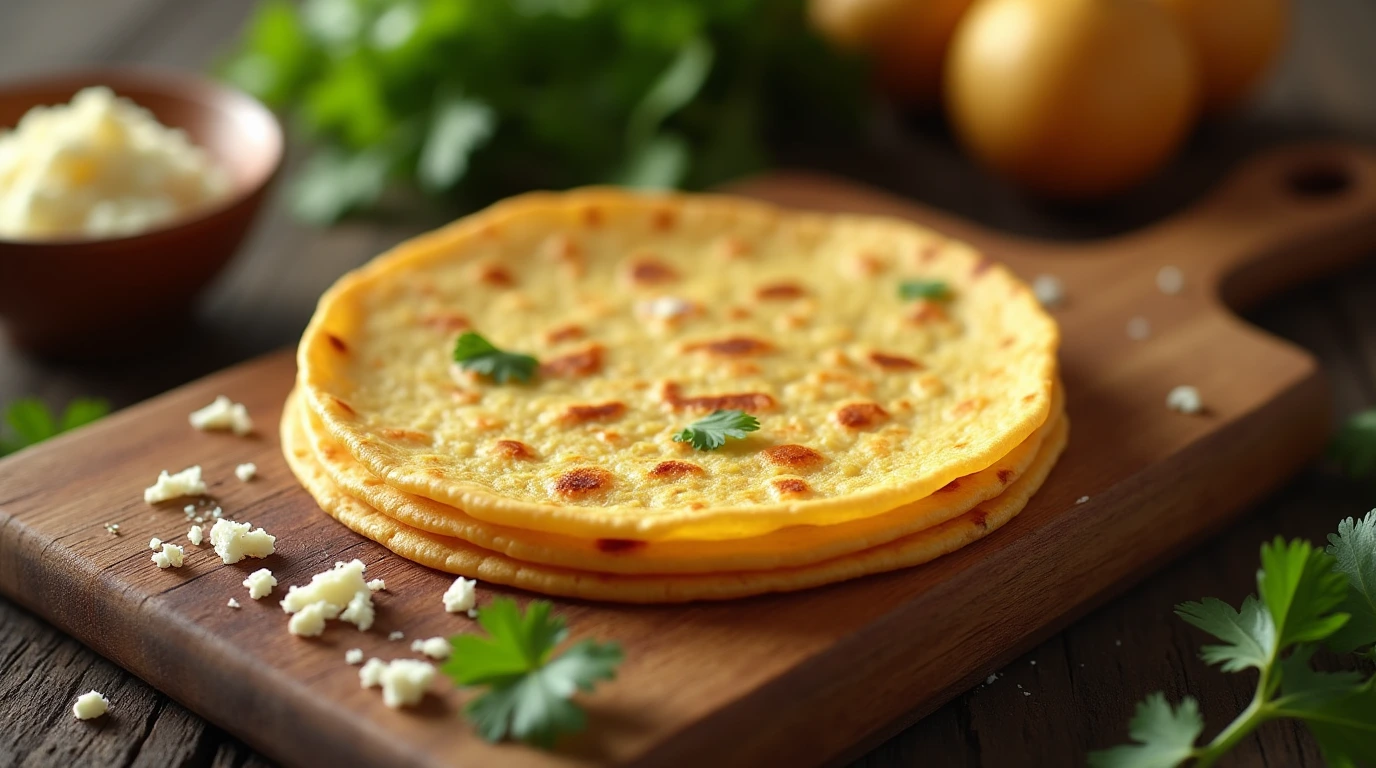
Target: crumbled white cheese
[[89, 705], [1049, 290], [396, 635], [234, 541], [187, 482], [246, 471], [233, 603], [195, 535], [310, 620], [260, 583], [460, 596], [342, 589], [112, 529], [1185, 399], [223, 414], [1082, 500], [377, 585], [403, 681], [1139, 328], [435, 648], [216, 513], [155, 544], [472, 613], [353, 656], [190, 510], [990, 680], [171, 556], [1170, 280]]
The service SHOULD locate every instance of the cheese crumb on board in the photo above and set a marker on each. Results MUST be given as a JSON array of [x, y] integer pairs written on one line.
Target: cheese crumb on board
[[436, 648], [232, 603], [246, 471], [155, 544], [396, 635], [461, 595], [1049, 290], [195, 535], [341, 590], [403, 681], [235, 541], [112, 529], [377, 585], [1170, 280], [171, 556], [260, 583], [1082, 500], [223, 414], [90, 705], [1185, 399], [310, 620], [353, 656], [187, 482]]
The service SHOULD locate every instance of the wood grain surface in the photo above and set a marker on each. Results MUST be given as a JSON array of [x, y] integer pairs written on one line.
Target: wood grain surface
[[798, 678], [1072, 693]]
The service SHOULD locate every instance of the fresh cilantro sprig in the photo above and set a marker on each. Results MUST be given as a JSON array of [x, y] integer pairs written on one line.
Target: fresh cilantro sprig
[[1354, 446], [710, 432], [1306, 597], [474, 353], [529, 689], [31, 422], [935, 290]]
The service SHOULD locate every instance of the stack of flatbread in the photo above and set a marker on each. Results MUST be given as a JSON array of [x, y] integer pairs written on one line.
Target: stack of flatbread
[[904, 390]]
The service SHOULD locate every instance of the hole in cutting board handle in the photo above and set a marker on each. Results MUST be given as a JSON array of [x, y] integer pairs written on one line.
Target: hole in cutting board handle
[[1319, 179]]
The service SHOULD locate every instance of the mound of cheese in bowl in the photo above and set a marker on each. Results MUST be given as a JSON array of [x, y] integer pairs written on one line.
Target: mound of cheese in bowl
[[99, 167]]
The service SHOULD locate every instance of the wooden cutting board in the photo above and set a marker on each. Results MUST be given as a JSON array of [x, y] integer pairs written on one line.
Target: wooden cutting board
[[794, 679]]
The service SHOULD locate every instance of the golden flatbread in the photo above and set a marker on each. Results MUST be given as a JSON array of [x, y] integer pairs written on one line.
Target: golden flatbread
[[647, 312]]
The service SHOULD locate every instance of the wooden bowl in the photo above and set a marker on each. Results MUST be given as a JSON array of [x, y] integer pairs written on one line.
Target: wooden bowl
[[71, 296]]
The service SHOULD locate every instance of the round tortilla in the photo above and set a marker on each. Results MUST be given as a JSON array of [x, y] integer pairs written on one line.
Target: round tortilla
[[459, 557], [648, 312], [797, 545]]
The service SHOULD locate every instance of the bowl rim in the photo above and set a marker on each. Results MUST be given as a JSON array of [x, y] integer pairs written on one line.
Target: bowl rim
[[183, 84]]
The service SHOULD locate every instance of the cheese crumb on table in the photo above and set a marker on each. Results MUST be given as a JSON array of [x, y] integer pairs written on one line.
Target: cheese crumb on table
[[1139, 328], [195, 535], [377, 585], [1082, 500], [1185, 399], [396, 635], [246, 471], [1170, 280], [260, 583], [223, 414], [341, 590], [112, 529], [155, 544], [90, 705], [403, 681], [461, 595], [436, 648], [234, 541], [1049, 290], [310, 620], [171, 556], [232, 603], [353, 656], [187, 482]]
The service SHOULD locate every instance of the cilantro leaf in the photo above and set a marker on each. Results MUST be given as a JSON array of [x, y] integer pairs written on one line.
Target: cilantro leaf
[[1249, 634], [1337, 707], [710, 432], [936, 290], [529, 691], [1301, 589], [32, 422], [474, 353], [1354, 549], [83, 411], [1354, 446], [1165, 736]]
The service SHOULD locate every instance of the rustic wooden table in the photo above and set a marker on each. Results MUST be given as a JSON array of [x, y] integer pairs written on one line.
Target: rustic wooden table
[[1071, 694]]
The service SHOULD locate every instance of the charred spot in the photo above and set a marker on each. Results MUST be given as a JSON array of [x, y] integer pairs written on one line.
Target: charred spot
[[742, 401], [447, 322], [1005, 476], [894, 362], [575, 364], [578, 414], [618, 546], [860, 415], [593, 216], [583, 481], [738, 313], [343, 406], [663, 220], [967, 406], [793, 456], [564, 333], [734, 346], [735, 248], [675, 469], [337, 343], [924, 312], [496, 276], [651, 272], [980, 517], [779, 292], [407, 435], [949, 487], [982, 266], [869, 263], [790, 486], [513, 449], [1007, 342], [1029, 397]]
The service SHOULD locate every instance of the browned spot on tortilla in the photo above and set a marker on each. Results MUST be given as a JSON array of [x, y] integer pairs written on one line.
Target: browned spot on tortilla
[[337, 343], [793, 456], [696, 505], [926, 253], [1007, 342], [924, 311], [675, 469], [447, 322], [980, 516], [860, 415], [583, 481], [949, 487], [779, 291], [592, 216], [869, 263], [435, 473], [490, 231], [513, 449], [967, 406], [790, 486], [982, 265], [407, 435], [735, 248], [329, 452], [959, 446], [664, 220], [751, 402], [1005, 476], [894, 362], [564, 333], [732, 346], [616, 546], [578, 414], [464, 396], [497, 276], [343, 406], [738, 313], [647, 271], [1029, 397], [575, 364], [487, 423]]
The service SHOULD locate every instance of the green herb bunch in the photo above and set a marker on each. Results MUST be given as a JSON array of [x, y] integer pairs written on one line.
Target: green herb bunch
[[482, 98], [1307, 598], [28, 421]]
